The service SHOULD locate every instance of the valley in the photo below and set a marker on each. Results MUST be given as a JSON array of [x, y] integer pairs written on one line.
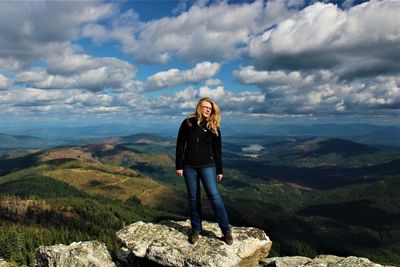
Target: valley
[[312, 195]]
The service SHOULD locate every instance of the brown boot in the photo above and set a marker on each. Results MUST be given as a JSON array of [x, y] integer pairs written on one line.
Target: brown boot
[[228, 238], [194, 237]]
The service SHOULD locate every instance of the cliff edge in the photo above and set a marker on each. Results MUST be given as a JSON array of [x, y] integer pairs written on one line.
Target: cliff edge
[[166, 244]]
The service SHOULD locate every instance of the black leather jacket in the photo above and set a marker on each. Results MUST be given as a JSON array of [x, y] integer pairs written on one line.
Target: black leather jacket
[[197, 146]]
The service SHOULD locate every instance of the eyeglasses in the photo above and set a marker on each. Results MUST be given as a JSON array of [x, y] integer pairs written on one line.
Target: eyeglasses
[[207, 108]]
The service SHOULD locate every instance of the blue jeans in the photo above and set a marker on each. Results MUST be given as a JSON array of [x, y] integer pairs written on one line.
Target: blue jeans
[[208, 177]]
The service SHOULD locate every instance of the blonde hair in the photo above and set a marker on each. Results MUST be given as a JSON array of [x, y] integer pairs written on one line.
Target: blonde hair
[[214, 120]]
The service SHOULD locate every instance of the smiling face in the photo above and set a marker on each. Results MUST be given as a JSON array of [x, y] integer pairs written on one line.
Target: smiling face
[[206, 109]]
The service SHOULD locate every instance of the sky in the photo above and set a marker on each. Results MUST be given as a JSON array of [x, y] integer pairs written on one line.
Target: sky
[[82, 63]]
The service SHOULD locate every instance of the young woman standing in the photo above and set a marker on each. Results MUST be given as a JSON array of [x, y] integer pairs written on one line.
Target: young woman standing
[[199, 158]]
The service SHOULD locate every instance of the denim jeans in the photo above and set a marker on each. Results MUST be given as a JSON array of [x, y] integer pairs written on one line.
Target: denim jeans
[[208, 177]]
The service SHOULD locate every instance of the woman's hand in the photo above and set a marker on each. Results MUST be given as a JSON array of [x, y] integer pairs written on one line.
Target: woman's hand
[[219, 177], [179, 172]]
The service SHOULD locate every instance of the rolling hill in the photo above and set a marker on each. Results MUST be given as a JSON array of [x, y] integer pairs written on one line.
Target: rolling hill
[[22, 141], [309, 194]]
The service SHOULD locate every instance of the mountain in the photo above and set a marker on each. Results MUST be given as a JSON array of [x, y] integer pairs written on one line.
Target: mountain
[[357, 132], [65, 195], [147, 139], [307, 193], [360, 133], [21, 141]]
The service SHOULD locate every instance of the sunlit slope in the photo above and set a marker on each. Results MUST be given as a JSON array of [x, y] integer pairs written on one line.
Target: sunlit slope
[[88, 176], [309, 194]]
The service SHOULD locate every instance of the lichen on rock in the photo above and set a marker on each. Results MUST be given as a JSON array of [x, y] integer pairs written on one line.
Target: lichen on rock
[[320, 261], [3, 263], [166, 243], [77, 254]]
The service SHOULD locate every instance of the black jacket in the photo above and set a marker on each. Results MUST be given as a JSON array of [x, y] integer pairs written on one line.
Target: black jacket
[[198, 146]]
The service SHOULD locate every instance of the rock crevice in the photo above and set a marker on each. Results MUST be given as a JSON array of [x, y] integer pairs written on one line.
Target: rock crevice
[[167, 244]]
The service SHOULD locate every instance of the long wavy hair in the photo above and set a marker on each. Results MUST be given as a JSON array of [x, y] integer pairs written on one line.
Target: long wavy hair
[[214, 120]]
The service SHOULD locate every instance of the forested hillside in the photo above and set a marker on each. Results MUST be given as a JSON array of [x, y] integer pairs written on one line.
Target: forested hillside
[[311, 195]]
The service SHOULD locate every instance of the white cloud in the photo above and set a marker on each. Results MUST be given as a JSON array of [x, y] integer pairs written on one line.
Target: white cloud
[[216, 93], [359, 42], [172, 77], [242, 102], [32, 29], [183, 102], [80, 71], [249, 75], [340, 106], [9, 64], [30, 97], [318, 60], [211, 82], [89, 99], [31, 100], [204, 32], [4, 82], [321, 92]]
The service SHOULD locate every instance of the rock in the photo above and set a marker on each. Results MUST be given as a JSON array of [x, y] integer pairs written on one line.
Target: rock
[[77, 254], [285, 261], [167, 244], [356, 262], [3, 263], [320, 261]]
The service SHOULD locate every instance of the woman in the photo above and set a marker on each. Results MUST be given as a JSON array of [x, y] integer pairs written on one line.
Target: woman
[[198, 157]]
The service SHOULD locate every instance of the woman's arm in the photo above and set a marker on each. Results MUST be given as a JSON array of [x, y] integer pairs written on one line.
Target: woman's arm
[[217, 151], [180, 146]]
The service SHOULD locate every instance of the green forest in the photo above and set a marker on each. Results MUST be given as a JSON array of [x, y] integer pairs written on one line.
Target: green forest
[[311, 196], [38, 210]]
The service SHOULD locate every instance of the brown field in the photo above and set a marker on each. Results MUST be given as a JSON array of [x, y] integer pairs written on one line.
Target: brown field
[[103, 184], [73, 153]]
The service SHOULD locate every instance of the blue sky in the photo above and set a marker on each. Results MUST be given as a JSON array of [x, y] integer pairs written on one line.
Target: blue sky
[[133, 62]]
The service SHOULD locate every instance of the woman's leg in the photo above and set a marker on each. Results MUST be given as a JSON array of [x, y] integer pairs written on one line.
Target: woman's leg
[[193, 189], [209, 180]]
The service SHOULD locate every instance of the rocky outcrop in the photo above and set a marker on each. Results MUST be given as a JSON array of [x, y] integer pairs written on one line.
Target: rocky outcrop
[[77, 254], [166, 244], [3, 263], [320, 261]]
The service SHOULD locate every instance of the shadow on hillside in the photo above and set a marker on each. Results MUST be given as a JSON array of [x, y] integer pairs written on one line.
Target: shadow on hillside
[[317, 177], [361, 212], [15, 164]]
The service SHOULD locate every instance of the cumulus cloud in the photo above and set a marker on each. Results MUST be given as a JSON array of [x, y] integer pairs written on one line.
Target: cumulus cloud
[[167, 104], [30, 97], [320, 92], [89, 99], [172, 77], [318, 60], [32, 100], [4, 82], [71, 70], [183, 102], [243, 102], [362, 41], [205, 31], [249, 75], [216, 93], [211, 82], [31, 29]]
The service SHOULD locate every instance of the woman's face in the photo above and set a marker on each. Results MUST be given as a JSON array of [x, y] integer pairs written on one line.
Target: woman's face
[[206, 109]]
